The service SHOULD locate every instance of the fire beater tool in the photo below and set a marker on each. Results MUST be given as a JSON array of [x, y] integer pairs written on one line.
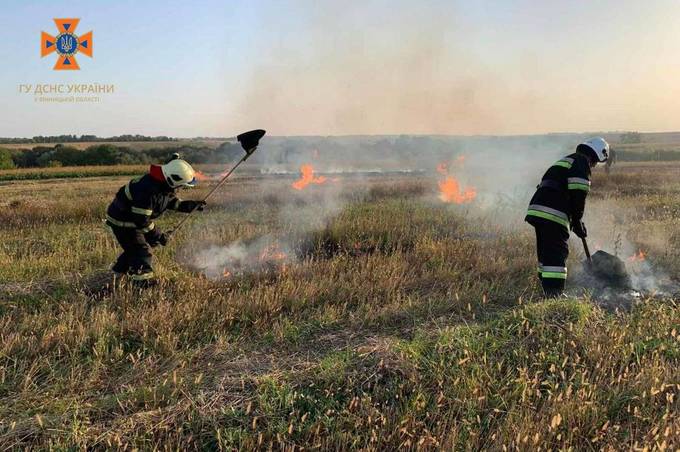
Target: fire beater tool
[[606, 267], [249, 142]]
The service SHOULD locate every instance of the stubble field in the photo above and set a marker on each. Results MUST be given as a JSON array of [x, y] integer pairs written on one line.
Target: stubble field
[[378, 317]]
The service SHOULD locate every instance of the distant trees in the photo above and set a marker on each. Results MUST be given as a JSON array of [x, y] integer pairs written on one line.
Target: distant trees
[[109, 154], [82, 139], [6, 161], [659, 155], [631, 138]]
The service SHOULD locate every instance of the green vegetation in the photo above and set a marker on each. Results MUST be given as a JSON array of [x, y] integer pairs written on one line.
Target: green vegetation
[[6, 161], [109, 154], [403, 322], [60, 172], [82, 139]]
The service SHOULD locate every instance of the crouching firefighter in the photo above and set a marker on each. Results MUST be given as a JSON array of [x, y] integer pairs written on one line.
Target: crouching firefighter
[[133, 210], [558, 204]]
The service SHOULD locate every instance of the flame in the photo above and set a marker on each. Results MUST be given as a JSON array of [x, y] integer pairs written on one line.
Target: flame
[[307, 177], [271, 253], [450, 191], [200, 176], [640, 256], [210, 176], [268, 257], [449, 188]]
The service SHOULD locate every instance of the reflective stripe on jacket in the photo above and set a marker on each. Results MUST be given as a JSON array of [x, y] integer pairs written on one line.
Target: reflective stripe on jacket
[[139, 201], [561, 195]]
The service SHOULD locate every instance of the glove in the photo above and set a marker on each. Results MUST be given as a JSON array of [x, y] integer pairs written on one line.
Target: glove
[[190, 206], [161, 238], [579, 229]]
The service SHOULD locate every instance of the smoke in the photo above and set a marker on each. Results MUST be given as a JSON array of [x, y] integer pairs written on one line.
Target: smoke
[[377, 69], [298, 207], [502, 172], [263, 254], [611, 227]]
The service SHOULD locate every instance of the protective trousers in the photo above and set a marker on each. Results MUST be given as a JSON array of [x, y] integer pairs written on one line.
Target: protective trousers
[[552, 247], [136, 259]]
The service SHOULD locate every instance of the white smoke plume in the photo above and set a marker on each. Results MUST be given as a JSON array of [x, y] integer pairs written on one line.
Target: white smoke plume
[[504, 172], [610, 228], [239, 258]]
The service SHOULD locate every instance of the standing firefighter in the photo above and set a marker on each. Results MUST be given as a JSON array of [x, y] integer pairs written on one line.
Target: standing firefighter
[[558, 203], [134, 208]]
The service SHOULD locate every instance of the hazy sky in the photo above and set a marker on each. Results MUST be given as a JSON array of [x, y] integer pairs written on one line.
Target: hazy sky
[[321, 67]]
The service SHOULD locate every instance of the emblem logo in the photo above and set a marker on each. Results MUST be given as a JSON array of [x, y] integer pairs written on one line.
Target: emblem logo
[[67, 44]]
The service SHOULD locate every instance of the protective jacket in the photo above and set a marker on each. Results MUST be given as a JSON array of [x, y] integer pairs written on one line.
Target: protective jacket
[[561, 196], [140, 201]]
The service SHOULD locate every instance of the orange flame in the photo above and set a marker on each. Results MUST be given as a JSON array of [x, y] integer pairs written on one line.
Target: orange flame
[[449, 188], [307, 177], [450, 191], [640, 256], [272, 252], [200, 176]]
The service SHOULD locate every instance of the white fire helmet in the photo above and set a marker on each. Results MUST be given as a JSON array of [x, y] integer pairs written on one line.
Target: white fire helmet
[[178, 173], [599, 146]]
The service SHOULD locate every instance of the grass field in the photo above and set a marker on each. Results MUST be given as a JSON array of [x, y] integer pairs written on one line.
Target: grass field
[[78, 172], [395, 321]]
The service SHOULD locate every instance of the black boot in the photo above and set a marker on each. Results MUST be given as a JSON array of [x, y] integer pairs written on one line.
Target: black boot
[[143, 281], [553, 287]]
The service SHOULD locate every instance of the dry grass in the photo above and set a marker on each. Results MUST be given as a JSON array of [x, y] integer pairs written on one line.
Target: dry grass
[[404, 323], [79, 172]]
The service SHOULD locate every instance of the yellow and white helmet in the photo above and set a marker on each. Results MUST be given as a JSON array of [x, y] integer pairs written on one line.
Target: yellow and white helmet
[[178, 173]]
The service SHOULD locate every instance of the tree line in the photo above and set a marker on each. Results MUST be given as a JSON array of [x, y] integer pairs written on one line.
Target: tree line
[[109, 154], [82, 139]]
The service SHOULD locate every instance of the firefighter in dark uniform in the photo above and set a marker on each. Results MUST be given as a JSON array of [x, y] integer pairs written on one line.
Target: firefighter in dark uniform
[[134, 208], [557, 205]]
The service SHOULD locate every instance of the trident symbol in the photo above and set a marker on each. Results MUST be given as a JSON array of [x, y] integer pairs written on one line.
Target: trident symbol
[[67, 43]]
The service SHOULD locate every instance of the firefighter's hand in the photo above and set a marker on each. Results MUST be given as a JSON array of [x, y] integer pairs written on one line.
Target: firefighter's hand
[[579, 229], [158, 239], [190, 206], [163, 238]]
